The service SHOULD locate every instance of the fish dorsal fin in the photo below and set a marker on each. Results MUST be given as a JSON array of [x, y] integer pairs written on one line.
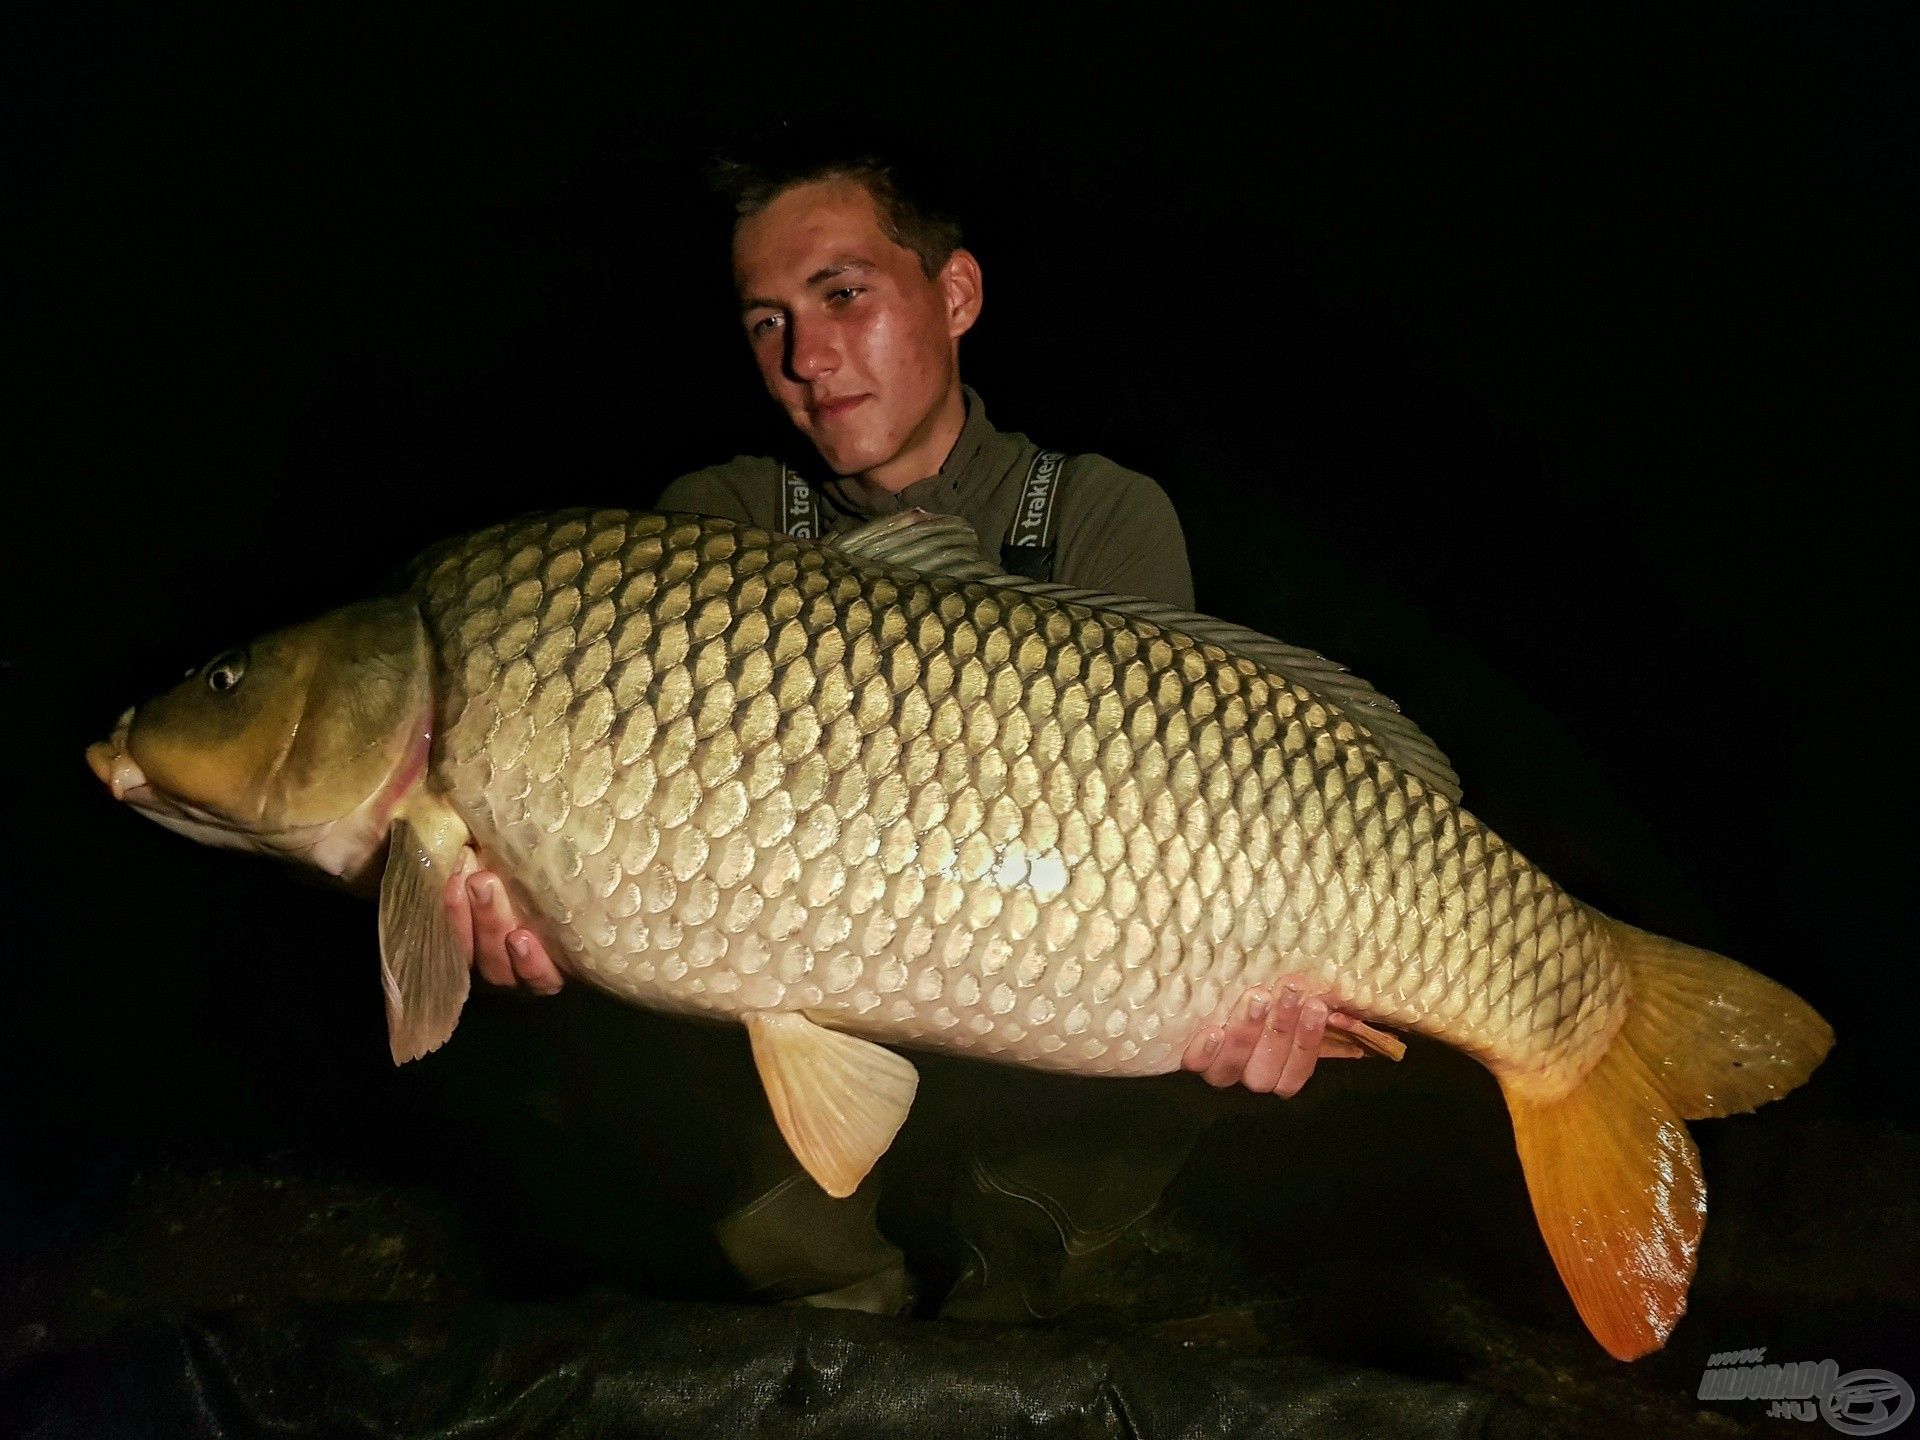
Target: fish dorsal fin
[[422, 969], [839, 1100], [921, 540], [947, 545]]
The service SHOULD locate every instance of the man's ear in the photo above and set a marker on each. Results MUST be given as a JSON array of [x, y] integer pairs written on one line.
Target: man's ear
[[959, 282]]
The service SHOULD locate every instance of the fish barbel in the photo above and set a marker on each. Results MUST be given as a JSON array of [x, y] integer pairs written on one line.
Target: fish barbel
[[874, 791]]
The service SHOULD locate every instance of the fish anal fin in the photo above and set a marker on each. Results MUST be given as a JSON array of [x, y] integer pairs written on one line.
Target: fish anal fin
[[839, 1100], [423, 972], [1616, 1187], [1379, 1042]]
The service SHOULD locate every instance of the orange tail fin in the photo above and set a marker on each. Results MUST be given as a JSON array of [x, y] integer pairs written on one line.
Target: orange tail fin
[[1614, 1176]]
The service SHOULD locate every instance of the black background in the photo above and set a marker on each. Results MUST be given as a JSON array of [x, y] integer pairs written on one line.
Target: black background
[[1557, 375]]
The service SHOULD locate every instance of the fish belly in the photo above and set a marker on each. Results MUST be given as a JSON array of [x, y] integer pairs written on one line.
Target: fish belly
[[740, 772]]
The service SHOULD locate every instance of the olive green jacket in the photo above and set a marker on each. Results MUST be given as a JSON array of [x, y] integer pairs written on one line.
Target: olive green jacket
[[1113, 528]]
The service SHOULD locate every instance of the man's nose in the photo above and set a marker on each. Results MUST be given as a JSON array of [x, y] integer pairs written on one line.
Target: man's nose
[[811, 352]]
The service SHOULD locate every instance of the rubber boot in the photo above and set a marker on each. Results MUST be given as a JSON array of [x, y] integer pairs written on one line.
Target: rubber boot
[[1026, 1258], [1050, 1208], [797, 1245]]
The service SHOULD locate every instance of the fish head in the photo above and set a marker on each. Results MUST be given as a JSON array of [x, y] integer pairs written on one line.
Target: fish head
[[298, 745]]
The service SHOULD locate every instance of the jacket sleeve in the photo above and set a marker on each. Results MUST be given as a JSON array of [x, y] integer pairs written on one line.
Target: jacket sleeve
[[1118, 532]]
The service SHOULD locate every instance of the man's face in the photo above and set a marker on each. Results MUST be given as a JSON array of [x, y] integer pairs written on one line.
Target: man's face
[[853, 340]]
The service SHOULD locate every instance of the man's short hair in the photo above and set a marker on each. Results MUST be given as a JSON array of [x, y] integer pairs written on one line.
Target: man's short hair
[[750, 184]]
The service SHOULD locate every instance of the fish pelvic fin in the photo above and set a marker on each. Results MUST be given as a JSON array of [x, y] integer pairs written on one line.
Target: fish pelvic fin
[[839, 1100], [1614, 1177], [423, 972]]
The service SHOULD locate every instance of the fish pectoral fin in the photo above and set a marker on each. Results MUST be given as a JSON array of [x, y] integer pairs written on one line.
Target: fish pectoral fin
[[839, 1100], [422, 971]]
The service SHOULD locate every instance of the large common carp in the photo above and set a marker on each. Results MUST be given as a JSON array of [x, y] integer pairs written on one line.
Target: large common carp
[[874, 790]]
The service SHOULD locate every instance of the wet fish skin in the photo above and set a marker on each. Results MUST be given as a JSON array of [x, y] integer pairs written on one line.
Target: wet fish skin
[[738, 772]]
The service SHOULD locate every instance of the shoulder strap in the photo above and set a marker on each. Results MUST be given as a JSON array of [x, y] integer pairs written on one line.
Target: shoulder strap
[[1028, 548], [799, 506]]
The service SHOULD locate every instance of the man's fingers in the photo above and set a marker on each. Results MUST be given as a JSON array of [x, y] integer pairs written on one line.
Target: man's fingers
[[1276, 1041], [459, 910], [1202, 1046], [492, 919], [1270, 1045], [531, 962], [1305, 1049], [1242, 1033]]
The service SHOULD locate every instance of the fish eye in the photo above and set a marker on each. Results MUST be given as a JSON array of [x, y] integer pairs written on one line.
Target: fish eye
[[223, 672]]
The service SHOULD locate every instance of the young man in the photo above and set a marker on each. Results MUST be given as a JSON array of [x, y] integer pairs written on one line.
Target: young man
[[854, 301]]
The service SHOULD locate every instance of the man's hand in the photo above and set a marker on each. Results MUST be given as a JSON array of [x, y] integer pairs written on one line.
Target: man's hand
[[487, 929], [1271, 1046]]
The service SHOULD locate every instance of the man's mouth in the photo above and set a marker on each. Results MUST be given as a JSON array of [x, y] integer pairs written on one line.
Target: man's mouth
[[833, 409]]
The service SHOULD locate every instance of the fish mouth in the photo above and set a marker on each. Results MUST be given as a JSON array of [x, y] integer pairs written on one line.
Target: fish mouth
[[117, 770], [337, 846], [121, 773]]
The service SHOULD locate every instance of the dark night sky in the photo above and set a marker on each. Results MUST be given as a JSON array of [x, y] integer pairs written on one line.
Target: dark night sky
[[1556, 380]]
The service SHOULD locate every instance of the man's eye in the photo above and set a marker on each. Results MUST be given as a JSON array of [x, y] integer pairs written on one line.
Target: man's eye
[[847, 292], [760, 327]]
